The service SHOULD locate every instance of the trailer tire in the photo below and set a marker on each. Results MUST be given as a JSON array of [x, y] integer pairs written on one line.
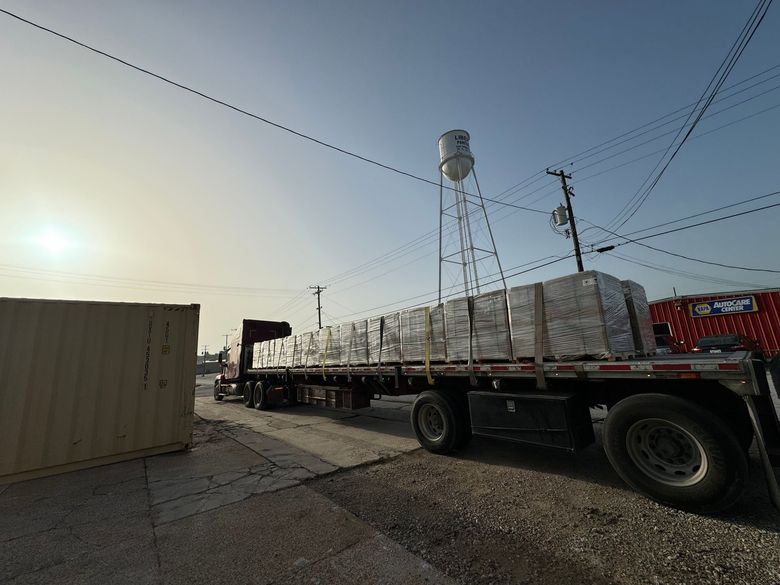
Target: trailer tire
[[439, 422], [217, 391], [260, 398], [249, 388], [675, 452]]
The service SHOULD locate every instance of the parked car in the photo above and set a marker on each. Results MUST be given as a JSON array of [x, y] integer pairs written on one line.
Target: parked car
[[728, 342], [666, 344]]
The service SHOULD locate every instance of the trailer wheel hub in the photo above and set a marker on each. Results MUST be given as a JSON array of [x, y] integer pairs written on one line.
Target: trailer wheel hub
[[431, 422], [666, 452]]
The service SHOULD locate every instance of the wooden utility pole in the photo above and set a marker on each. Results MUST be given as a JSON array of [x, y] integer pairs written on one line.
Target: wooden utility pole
[[318, 292], [568, 193], [205, 349]]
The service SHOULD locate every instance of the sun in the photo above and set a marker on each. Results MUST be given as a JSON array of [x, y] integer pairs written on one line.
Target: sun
[[54, 242]]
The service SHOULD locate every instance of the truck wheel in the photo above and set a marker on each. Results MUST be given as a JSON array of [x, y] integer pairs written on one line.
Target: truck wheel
[[217, 391], [249, 388], [260, 398], [675, 452], [439, 422]]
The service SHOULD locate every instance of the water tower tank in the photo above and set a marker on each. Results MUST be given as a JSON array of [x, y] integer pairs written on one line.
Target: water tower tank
[[455, 155]]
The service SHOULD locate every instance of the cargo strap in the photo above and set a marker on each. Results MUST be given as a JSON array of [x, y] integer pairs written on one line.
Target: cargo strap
[[541, 383], [381, 341], [472, 377], [325, 353], [308, 351], [428, 331], [353, 332]]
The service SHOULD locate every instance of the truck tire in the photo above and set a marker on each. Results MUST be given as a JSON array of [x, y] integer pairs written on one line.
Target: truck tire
[[249, 389], [217, 391], [260, 398], [675, 452], [439, 422]]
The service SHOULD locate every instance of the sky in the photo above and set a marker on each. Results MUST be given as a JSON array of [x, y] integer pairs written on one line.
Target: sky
[[116, 186]]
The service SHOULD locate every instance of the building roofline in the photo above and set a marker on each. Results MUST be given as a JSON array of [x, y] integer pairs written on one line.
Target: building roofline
[[732, 293]]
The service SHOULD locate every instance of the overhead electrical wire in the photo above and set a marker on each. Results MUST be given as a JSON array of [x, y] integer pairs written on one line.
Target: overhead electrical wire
[[708, 96]]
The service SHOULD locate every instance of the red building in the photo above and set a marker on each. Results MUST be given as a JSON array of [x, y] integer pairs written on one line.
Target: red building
[[755, 314]]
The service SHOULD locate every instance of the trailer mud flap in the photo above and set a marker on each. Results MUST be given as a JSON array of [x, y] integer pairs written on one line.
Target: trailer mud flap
[[551, 420]]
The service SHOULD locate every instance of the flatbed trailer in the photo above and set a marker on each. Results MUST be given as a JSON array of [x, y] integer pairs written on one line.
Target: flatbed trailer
[[678, 427]]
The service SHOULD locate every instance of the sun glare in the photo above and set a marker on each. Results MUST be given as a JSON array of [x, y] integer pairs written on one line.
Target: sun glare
[[54, 242]]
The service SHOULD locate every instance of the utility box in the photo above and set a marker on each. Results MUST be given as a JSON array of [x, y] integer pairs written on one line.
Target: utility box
[[86, 383]]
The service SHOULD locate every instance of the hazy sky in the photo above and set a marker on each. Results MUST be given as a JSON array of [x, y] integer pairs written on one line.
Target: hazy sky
[[116, 186]]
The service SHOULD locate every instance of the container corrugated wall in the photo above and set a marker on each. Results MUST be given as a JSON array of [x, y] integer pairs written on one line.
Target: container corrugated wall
[[88, 383], [763, 325]]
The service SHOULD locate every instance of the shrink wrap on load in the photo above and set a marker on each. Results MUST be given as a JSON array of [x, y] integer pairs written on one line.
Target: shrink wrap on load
[[586, 316], [297, 354], [354, 343], [384, 339], [256, 349], [420, 328], [280, 353], [522, 313], [330, 346], [639, 316], [311, 349], [490, 337]]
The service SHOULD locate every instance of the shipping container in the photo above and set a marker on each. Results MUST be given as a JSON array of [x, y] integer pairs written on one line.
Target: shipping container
[[87, 383], [754, 313]]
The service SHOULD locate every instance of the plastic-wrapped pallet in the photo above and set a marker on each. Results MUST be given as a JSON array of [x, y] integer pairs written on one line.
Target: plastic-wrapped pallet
[[354, 343], [384, 337], [639, 316], [256, 349], [522, 314], [586, 315], [290, 345], [420, 328], [330, 346], [297, 360], [490, 337], [280, 352], [310, 349]]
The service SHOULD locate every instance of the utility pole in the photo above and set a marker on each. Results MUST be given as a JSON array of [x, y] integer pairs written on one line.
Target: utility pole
[[226, 335], [205, 349], [569, 193], [318, 291]]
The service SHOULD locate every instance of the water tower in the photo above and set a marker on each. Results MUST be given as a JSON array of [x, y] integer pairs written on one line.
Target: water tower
[[464, 206]]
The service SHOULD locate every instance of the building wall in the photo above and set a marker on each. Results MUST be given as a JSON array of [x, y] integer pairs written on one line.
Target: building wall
[[764, 324]]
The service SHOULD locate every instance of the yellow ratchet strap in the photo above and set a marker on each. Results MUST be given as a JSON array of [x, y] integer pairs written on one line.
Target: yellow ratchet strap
[[428, 328]]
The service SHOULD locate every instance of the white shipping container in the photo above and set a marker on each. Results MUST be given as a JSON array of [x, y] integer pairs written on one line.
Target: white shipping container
[[87, 383]]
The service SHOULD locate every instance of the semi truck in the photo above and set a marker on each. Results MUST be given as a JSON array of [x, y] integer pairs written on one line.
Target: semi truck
[[677, 428]]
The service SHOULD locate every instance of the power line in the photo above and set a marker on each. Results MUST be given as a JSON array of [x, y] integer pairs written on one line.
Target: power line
[[715, 84]]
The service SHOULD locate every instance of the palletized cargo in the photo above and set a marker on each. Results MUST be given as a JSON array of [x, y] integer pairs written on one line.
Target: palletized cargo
[[298, 351], [488, 335], [586, 315], [290, 347], [639, 316], [311, 349], [330, 346], [384, 339], [354, 343], [522, 310], [87, 383], [422, 334]]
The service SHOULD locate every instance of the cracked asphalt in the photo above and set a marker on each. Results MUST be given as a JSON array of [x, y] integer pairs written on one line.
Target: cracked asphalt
[[305, 495], [233, 509]]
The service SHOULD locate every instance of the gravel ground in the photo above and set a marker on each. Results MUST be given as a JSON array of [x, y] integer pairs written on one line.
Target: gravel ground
[[500, 513]]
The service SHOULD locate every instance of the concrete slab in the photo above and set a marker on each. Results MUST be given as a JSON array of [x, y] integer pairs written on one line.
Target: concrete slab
[[334, 438], [378, 560], [292, 536], [89, 526]]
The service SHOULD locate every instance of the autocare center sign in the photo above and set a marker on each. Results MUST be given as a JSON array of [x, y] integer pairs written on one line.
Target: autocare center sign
[[724, 307]]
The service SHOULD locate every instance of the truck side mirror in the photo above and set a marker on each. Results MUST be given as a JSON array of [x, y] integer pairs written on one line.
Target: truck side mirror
[[220, 358]]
